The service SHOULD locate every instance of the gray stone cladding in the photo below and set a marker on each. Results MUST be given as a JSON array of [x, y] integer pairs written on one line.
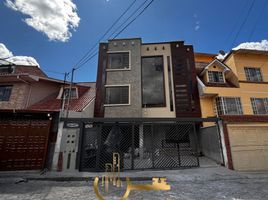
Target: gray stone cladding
[[131, 77]]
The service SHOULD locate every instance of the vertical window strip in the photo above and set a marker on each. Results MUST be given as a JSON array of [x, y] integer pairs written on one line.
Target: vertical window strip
[[259, 76], [170, 85], [238, 105], [266, 105], [254, 106]]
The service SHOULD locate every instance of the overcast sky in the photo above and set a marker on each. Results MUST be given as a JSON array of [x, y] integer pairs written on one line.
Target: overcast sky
[[57, 33]]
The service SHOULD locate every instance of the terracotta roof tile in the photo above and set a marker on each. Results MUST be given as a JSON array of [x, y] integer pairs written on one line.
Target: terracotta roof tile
[[85, 96]]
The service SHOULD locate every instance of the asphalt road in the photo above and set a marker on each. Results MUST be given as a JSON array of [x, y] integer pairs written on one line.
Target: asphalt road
[[232, 187]]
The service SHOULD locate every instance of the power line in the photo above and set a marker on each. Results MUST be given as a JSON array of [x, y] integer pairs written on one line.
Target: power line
[[134, 19], [236, 22], [243, 23], [107, 31], [139, 14], [55, 72], [258, 19], [132, 14]]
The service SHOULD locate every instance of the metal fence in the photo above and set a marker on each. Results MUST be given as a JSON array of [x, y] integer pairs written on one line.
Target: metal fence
[[141, 144]]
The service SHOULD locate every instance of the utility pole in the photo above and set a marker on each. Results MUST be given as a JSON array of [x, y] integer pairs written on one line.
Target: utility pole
[[63, 96], [69, 94]]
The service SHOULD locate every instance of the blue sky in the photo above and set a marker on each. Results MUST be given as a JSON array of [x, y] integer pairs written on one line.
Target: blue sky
[[209, 25]]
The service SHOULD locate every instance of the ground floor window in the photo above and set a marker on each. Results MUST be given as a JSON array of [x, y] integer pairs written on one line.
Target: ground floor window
[[117, 95], [229, 106], [259, 105]]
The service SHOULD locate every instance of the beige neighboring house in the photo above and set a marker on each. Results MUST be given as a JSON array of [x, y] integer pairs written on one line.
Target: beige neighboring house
[[236, 90]]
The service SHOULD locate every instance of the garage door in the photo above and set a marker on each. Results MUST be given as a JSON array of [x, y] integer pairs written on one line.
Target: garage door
[[249, 146], [23, 144]]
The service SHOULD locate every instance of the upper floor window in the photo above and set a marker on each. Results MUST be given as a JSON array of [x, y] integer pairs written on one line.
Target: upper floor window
[[6, 69], [253, 74], [229, 106], [66, 93], [215, 77], [153, 93], [118, 60], [117, 95], [259, 105], [5, 92]]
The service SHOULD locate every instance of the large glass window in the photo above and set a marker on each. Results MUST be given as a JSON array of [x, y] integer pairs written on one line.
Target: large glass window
[[117, 95], [118, 60], [253, 74], [259, 105], [153, 82], [215, 77], [229, 106], [5, 92]]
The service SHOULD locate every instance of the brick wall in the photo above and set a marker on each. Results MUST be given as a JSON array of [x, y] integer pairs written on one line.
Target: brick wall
[[18, 97]]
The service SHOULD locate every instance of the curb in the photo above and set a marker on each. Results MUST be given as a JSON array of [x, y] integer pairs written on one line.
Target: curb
[[62, 179]]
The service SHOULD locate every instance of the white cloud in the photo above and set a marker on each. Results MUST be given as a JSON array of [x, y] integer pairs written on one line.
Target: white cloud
[[4, 52], [55, 18], [262, 46], [23, 60], [197, 23], [18, 60]]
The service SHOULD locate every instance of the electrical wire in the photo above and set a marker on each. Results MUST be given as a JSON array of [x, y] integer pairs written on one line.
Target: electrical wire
[[120, 31], [257, 20], [243, 23], [107, 31]]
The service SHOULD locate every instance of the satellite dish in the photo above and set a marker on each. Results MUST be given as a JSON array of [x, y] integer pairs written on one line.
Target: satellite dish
[[222, 52]]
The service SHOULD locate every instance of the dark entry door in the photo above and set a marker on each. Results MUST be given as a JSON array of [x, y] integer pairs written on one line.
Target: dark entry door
[[23, 144]]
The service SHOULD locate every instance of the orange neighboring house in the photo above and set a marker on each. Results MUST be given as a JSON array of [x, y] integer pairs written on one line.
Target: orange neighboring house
[[30, 103], [236, 90]]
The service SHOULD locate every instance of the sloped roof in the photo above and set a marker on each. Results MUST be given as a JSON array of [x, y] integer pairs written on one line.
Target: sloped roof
[[86, 94]]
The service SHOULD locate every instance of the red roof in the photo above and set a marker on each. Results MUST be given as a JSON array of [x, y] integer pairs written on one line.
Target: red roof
[[86, 94]]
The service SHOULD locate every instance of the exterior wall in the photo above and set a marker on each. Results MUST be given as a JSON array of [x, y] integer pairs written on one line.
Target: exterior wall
[[160, 111], [213, 68], [207, 105], [241, 60], [18, 98], [24, 95], [187, 103], [246, 90], [40, 90], [131, 77], [210, 143]]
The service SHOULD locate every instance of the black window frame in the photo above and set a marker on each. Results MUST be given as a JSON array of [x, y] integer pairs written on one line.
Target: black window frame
[[249, 76], [255, 109], [108, 103], [223, 108], [164, 92], [6, 92], [211, 77], [110, 68]]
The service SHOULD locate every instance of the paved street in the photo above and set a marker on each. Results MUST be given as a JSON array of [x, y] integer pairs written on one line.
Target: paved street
[[201, 183]]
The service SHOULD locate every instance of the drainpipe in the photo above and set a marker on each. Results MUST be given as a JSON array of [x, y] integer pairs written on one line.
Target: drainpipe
[[29, 93], [220, 141]]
